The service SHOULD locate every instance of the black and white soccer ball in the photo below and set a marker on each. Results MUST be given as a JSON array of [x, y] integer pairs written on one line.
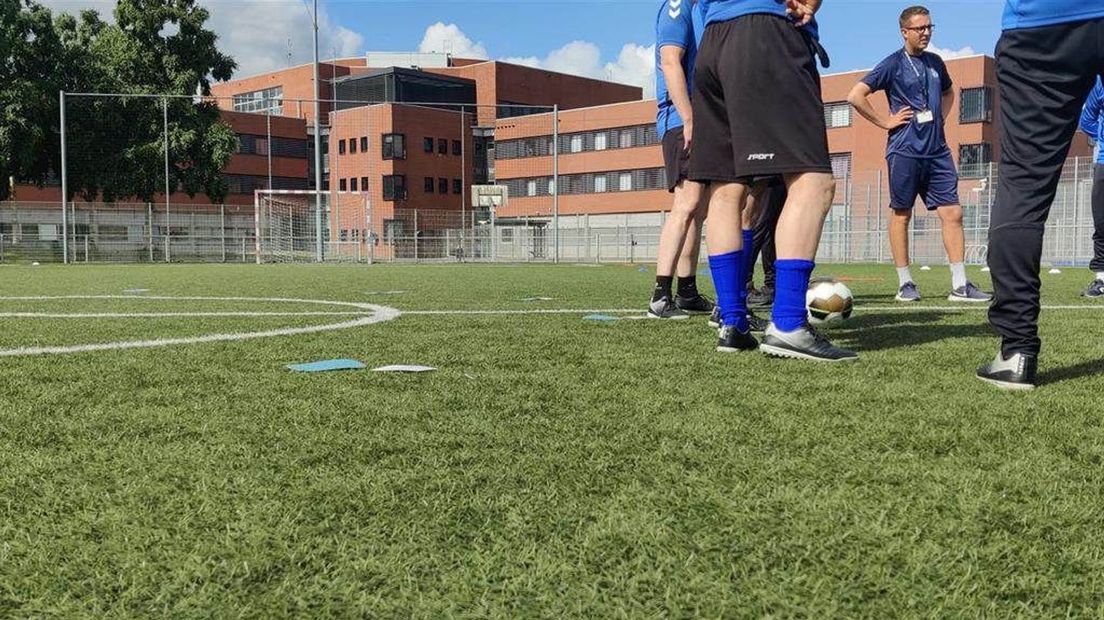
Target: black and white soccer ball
[[828, 301]]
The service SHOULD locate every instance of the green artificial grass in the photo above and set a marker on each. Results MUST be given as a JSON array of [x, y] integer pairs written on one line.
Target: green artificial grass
[[551, 467]]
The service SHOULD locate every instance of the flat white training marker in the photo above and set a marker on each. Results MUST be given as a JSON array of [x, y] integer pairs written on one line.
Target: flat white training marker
[[985, 270], [538, 299], [404, 368], [925, 268], [34, 264], [1054, 272]]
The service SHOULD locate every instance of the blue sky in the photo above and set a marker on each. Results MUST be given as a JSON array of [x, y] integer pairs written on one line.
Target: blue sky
[[856, 32]]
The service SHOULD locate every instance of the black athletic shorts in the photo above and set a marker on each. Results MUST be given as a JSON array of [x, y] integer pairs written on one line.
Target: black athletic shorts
[[757, 102], [676, 159]]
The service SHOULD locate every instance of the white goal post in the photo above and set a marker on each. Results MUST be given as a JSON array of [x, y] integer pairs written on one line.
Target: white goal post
[[286, 230]]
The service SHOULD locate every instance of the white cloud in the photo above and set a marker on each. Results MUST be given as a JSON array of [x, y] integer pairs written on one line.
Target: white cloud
[[947, 54], [634, 65], [449, 39], [256, 33]]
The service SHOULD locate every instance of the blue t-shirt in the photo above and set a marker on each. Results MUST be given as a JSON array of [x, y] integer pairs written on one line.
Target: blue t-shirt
[[675, 26], [917, 82], [1092, 118], [724, 10], [1036, 13]]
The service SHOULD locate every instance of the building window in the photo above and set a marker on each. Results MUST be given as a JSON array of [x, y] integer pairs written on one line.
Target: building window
[[352, 146], [428, 187], [340, 147], [551, 187], [427, 144], [600, 184], [841, 165], [269, 100], [363, 184], [353, 185], [531, 188], [976, 105], [576, 145], [625, 182], [625, 139], [442, 146], [974, 160], [364, 144], [837, 114], [394, 146], [507, 235], [342, 185], [600, 141], [392, 230], [394, 187], [442, 186], [457, 186], [457, 147]]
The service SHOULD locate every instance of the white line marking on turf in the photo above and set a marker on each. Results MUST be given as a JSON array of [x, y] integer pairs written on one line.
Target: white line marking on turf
[[379, 315], [164, 315]]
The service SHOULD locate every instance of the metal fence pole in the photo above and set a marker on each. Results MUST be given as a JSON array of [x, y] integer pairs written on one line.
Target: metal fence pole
[[64, 185], [556, 183], [149, 219], [222, 219], [318, 147], [878, 210], [168, 226]]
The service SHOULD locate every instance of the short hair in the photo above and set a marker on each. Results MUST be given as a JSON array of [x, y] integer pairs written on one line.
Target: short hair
[[911, 12]]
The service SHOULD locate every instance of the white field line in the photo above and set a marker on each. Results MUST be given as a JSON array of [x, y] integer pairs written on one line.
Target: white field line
[[164, 315], [379, 315]]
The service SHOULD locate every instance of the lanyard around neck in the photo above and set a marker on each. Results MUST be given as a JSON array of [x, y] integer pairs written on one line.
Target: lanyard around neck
[[922, 76]]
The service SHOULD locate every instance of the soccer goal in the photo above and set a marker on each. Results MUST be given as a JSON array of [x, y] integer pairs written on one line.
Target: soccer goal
[[289, 228]]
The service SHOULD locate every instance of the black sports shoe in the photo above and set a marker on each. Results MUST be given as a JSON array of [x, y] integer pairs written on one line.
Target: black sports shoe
[[761, 298], [803, 344], [1095, 290], [694, 305], [1013, 373], [757, 323], [664, 308], [730, 340], [715, 318]]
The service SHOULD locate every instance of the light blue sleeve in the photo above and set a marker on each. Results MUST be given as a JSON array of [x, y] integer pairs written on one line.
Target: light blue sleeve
[[675, 25], [1090, 114]]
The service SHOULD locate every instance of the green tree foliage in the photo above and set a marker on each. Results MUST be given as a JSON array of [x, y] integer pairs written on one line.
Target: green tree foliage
[[115, 145]]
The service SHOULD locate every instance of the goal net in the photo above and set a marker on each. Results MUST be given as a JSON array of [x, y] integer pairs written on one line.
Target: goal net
[[289, 228]]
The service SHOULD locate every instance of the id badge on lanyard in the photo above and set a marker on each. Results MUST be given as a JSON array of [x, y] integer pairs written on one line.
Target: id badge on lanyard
[[925, 115]]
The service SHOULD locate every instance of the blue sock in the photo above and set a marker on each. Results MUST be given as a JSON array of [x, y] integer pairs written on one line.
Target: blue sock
[[729, 280], [792, 283]]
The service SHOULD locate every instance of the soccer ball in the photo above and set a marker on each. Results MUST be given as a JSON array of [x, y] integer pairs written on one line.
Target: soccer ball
[[828, 301]]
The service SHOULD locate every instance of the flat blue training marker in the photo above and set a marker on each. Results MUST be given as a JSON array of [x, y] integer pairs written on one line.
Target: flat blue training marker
[[643, 270], [326, 366], [605, 318]]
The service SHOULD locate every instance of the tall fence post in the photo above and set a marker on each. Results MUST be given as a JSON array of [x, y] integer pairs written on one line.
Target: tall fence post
[[878, 210], [149, 220], [64, 185], [222, 227], [168, 193], [556, 183]]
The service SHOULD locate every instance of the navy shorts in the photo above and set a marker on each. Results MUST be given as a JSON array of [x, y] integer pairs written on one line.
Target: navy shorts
[[934, 180]]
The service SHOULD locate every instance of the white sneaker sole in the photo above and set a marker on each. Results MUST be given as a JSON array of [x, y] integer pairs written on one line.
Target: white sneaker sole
[[1006, 386], [668, 318], [774, 351], [967, 300], [907, 301]]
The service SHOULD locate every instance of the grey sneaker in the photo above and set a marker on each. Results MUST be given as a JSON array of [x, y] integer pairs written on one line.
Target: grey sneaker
[[803, 344], [1095, 290], [908, 292], [1014, 373], [969, 294], [664, 308]]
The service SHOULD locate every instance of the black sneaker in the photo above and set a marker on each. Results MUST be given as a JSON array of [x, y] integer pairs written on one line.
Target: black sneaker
[[695, 305], [730, 340], [1095, 290], [761, 298], [715, 318], [803, 344], [757, 323], [664, 308], [1013, 373]]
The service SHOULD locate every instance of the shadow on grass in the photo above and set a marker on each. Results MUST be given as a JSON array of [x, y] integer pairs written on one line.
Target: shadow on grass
[[1069, 373], [878, 332]]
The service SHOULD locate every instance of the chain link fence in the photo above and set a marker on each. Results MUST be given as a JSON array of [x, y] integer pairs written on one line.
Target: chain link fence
[[415, 182]]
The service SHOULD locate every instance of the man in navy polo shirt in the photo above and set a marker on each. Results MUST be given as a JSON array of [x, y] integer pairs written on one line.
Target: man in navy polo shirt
[[920, 95], [1091, 124], [1048, 59]]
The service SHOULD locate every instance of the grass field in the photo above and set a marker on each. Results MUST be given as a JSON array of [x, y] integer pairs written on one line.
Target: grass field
[[551, 467]]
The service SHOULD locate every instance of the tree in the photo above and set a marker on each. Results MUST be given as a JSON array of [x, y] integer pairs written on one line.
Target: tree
[[115, 145]]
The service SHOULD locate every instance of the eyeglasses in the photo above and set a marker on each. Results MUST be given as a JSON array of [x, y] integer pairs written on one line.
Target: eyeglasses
[[928, 28]]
